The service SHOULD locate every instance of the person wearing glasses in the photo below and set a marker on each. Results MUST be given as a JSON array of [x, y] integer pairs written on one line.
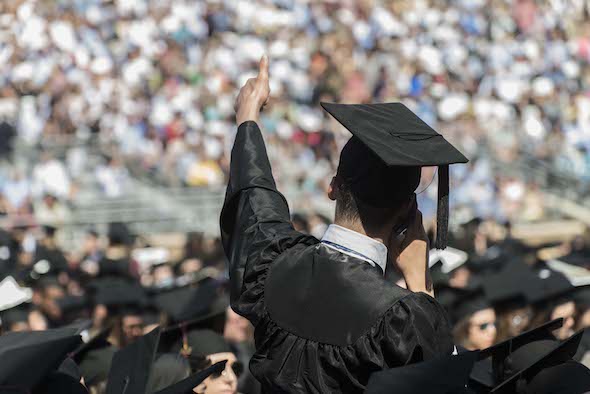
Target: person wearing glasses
[[475, 320], [209, 348]]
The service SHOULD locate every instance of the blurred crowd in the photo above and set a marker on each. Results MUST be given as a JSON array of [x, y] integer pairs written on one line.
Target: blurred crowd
[[114, 288], [153, 84]]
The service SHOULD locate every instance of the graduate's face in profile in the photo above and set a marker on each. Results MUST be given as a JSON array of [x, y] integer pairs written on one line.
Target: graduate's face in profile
[[482, 329], [226, 382]]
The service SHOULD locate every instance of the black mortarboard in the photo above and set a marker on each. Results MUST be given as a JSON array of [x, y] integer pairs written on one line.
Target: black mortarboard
[[132, 366], [447, 374], [505, 287], [491, 366], [390, 144], [118, 294], [95, 363], [467, 302], [178, 336], [66, 380], [556, 356], [130, 369], [28, 357], [547, 286], [17, 314], [98, 341], [119, 234], [206, 342], [187, 385], [72, 307], [186, 303], [582, 297]]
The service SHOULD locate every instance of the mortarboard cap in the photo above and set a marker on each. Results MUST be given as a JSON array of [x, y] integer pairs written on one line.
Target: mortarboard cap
[[119, 294], [467, 302], [576, 275], [18, 314], [119, 234], [98, 341], [95, 363], [187, 385], [556, 356], [203, 343], [450, 259], [491, 366], [582, 297], [186, 303], [547, 286], [12, 295], [179, 336], [505, 287], [448, 374], [66, 380], [389, 146], [130, 369], [72, 307], [28, 357]]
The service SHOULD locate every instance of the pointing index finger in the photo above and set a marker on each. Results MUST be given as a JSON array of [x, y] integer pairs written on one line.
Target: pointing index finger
[[263, 68]]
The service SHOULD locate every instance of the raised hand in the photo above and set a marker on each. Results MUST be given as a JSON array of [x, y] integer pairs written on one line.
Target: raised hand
[[410, 255], [253, 95]]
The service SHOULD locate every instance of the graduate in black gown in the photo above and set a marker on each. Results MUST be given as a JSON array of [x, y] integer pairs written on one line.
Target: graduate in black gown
[[325, 318]]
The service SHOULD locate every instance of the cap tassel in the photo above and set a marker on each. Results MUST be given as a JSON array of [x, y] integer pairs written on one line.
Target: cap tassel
[[442, 210]]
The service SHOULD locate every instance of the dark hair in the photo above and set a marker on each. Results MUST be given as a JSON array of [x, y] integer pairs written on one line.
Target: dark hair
[[350, 208], [461, 331]]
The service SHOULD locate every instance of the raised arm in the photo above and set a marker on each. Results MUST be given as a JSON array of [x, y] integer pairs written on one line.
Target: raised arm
[[255, 220]]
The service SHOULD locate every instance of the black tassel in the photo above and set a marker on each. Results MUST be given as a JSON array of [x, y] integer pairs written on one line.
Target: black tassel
[[442, 209]]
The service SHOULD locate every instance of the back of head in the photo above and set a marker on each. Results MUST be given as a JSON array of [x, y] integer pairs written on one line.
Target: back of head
[[369, 190]]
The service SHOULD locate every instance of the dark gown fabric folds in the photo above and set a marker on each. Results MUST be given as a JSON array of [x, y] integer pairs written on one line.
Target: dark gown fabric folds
[[324, 321]]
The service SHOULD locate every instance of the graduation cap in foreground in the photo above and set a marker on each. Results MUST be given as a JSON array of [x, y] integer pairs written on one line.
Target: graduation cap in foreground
[[187, 385], [94, 357], [382, 161], [490, 369], [130, 369], [132, 366], [448, 374], [563, 376], [65, 380], [28, 357]]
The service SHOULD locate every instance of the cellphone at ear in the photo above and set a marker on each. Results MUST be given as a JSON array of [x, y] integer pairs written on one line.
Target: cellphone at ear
[[402, 226]]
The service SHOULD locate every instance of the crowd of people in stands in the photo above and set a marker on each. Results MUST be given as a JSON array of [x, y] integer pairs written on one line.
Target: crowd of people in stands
[[153, 84]]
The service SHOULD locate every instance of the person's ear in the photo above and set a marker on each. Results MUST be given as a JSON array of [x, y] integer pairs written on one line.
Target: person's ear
[[333, 189]]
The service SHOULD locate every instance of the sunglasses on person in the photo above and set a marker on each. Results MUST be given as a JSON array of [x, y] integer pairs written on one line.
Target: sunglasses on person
[[237, 367], [486, 325]]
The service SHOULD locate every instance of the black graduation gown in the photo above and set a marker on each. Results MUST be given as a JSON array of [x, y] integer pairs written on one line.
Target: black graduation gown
[[324, 321]]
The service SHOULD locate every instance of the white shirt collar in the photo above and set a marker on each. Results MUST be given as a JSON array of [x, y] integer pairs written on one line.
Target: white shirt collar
[[356, 245]]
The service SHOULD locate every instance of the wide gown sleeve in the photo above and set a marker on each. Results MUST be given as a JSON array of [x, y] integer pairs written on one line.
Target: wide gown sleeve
[[416, 329], [255, 221]]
